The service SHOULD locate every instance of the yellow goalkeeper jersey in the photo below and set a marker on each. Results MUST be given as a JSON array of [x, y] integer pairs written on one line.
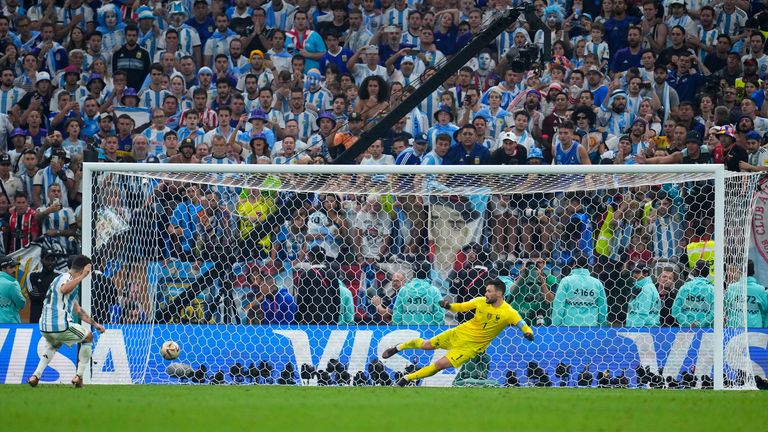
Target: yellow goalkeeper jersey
[[487, 323]]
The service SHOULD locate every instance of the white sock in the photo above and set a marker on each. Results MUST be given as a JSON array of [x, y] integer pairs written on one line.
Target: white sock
[[48, 354], [84, 358]]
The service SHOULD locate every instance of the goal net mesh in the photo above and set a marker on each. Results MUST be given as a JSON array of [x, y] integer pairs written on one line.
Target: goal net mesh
[[306, 278]]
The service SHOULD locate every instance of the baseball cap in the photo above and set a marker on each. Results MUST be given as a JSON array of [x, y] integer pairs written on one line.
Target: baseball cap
[[420, 138], [106, 115], [750, 62], [507, 136], [408, 59], [187, 142], [6, 261], [676, 2], [255, 53], [205, 70], [18, 132], [42, 76], [5, 158], [61, 153], [372, 49], [751, 135]]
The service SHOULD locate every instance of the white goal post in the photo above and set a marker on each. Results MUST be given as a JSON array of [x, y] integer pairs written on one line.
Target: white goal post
[[103, 182]]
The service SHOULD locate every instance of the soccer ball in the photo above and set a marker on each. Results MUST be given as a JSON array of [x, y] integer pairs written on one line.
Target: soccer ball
[[170, 350]]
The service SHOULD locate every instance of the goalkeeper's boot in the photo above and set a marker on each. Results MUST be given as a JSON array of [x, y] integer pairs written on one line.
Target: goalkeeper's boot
[[77, 381], [402, 382], [33, 380], [389, 352]]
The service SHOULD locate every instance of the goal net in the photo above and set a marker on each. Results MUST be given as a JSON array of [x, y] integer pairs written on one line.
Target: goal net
[[304, 275]]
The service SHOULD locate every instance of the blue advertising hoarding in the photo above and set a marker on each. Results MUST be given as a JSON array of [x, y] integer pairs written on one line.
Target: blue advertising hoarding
[[129, 354]]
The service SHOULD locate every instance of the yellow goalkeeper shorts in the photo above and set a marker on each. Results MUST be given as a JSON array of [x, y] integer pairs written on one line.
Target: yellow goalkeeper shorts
[[459, 352]]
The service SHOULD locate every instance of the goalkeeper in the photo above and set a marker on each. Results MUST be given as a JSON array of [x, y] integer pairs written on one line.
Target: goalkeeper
[[492, 316]]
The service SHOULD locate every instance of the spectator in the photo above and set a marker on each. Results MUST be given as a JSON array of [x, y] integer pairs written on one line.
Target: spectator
[[644, 305], [755, 302], [11, 299], [694, 304], [23, 224], [253, 212], [273, 304], [417, 302], [533, 291], [467, 151], [182, 224], [372, 232], [666, 284], [40, 282], [57, 222], [467, 279], [309, 43], [580, 298], [317, 291], [132, 58], [216, 241], [9, 183]]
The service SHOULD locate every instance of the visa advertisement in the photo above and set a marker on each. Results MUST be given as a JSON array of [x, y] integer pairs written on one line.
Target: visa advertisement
[[130, 354]]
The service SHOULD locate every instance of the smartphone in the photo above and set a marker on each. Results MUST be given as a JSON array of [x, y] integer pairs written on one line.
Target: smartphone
[[412, 52]]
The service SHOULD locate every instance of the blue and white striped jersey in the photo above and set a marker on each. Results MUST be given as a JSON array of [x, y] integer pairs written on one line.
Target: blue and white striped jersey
[[282, 19], [57, 307], [729, 24], [430, 104], [322, 99], [408, 39], [45, 178], [152, 98], [707, 38], [198, 135], [393, 16], [9, 98], [113, 40], [155, 139], [306, 123], [65, 15], [188, 39], [667, 232], [60, 220]]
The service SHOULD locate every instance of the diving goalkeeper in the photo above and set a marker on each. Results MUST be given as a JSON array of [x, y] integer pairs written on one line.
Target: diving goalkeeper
[[492, 316]]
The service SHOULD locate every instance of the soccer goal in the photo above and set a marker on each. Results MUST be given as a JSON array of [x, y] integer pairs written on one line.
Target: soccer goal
[[305, 274]]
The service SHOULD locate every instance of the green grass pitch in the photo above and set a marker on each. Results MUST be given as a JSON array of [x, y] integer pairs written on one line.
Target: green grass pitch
[[268, 408]]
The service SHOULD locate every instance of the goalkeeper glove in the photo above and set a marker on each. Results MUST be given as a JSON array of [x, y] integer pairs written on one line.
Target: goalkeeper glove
[[445, 304], [529, 336]]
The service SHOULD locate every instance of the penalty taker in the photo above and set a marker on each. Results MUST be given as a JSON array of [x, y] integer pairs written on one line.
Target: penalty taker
[[467, 340]]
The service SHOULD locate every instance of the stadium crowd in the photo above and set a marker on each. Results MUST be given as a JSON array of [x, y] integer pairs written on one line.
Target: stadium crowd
[[252, 82]]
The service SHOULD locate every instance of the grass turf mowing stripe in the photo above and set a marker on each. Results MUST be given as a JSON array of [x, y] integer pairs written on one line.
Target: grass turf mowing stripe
[[268, 408]]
